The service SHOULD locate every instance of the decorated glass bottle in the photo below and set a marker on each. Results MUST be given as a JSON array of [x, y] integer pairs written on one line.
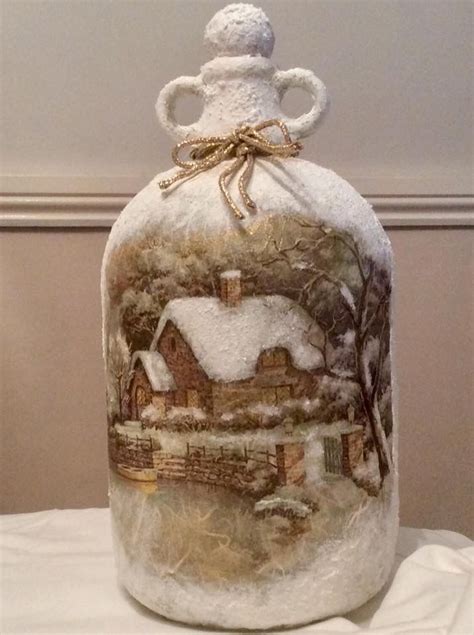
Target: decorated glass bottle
[[246, 301]]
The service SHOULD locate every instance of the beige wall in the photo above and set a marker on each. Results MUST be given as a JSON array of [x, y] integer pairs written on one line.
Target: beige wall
[[79, 135], [53, 420], [52, 389]]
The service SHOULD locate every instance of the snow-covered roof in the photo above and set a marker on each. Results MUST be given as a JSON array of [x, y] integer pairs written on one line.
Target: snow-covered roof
[[227, 341], [157, 371]]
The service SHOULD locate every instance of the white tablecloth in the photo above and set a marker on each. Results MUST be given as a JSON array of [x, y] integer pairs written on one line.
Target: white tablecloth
[[58, 577]]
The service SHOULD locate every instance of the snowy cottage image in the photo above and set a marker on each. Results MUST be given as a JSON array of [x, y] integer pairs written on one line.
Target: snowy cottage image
[[268, 359], [271, 360]]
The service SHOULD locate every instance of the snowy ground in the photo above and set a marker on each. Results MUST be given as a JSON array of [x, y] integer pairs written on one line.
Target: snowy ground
[[194, 552]]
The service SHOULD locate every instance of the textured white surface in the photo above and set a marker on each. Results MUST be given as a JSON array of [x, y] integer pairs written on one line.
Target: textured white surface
[[227, 341], [294, 186], [336, 577], [239, 29], [240, 85], [59, 577]]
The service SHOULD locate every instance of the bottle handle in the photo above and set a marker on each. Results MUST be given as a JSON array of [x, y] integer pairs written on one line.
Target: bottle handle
[[166, 103], [304, 125]]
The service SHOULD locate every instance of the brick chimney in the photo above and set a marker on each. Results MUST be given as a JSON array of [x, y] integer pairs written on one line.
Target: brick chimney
[[230, 287]]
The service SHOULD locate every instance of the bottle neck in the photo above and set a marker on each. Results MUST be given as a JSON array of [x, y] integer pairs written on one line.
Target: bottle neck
[[240, 90], [237, 90]]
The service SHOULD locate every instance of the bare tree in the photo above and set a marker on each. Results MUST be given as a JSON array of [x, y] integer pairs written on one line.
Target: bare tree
[[345, 290], [140, 312], [118, 360]]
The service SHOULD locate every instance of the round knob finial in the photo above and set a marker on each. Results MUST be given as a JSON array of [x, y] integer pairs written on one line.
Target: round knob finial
[[239, 29]]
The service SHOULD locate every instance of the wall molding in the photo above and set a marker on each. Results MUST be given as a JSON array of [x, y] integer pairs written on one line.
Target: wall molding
[[101, 210], [59, 201]]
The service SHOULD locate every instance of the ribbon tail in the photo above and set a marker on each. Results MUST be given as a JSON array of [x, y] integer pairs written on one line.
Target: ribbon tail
[[223, 183], [182, 175], [244, 181]]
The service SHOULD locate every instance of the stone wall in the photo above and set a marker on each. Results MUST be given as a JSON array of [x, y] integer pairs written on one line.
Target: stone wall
[[352, 451], [290, 463]]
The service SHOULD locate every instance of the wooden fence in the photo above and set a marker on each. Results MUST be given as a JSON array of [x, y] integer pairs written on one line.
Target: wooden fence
[[220, 466], [242, 468], [223, 466], [231, 454]]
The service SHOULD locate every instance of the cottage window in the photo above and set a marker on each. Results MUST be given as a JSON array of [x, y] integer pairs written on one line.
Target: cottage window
[[279, 358], [283, 393], [267, 359], [273, 358], [268, 396]]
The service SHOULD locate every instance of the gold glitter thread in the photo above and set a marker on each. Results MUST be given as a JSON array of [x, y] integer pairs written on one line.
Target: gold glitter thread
[[242, 145]]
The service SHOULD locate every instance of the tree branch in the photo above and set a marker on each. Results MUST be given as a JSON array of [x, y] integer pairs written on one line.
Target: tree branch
[[363, 301], [336, 235], [380, 360], [382, 301], [327, 372]]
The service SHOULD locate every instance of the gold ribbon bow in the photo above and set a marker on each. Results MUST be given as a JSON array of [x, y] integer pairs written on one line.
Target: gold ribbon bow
[[242, 145]]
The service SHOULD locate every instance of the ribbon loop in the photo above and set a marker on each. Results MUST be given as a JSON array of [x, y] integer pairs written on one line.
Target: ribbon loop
[[242, 145]]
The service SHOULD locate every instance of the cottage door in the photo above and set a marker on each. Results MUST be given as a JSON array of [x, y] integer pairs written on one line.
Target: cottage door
[[140, 401]]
